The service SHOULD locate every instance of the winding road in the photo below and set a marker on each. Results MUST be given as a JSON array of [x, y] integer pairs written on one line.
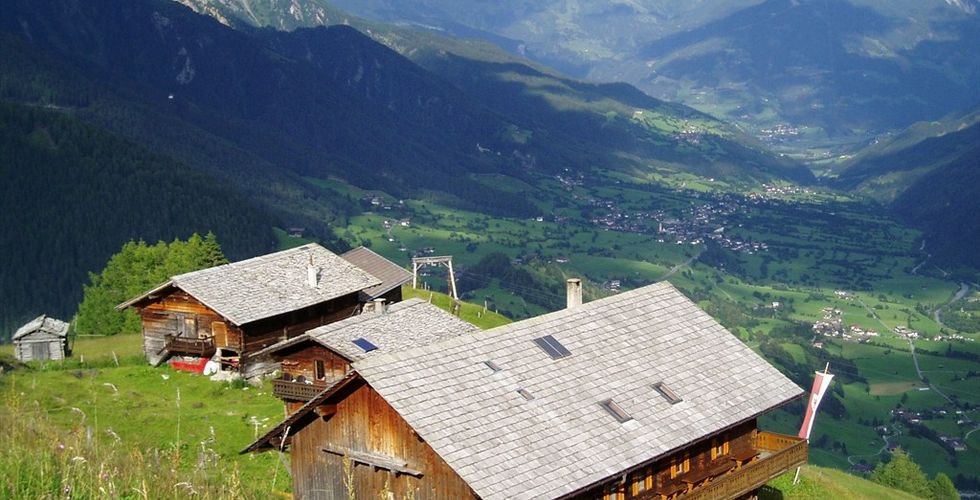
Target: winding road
[[915, 359], [938, 313], [678, 267], [884, 447]]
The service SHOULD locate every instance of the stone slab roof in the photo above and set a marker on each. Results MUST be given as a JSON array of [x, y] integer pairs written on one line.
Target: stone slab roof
[[561, 441], [404, 325], [391, 275], [44, 324], [269, 285]]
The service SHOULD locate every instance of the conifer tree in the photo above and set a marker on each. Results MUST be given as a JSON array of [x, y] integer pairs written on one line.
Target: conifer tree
[[903, 474], [139, 267], [943, 489]]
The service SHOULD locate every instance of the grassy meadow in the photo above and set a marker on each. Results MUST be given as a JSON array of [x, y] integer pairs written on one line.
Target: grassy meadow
[[819, 243]]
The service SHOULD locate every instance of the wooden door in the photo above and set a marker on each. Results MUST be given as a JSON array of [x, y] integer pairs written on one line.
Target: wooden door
[[220, 331], [40, 350]]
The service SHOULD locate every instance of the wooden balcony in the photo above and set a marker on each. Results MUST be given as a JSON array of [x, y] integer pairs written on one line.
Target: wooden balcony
[[295, 391], [778, 453], [184, 346]]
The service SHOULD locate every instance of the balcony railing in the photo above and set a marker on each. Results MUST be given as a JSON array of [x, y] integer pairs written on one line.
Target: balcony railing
[[779, 453], [201, 347], [295, 391]]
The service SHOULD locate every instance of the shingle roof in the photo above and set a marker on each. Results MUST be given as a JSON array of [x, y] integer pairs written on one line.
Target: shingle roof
[[408, 324], [272, 284], [560, 441], [390, 274], [42, 323]]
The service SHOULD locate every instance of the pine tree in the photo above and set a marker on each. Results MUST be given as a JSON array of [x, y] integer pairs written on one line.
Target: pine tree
[[213, 256], [903, 474], [943, 489], [139, 267]]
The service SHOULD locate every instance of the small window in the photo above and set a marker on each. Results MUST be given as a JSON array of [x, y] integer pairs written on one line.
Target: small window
[[679, 467], [643, 481], [615, 410], [364, 344], [668, 394], [492, 366], [319, 370], [719, 448], [552, 347], [524, 394]]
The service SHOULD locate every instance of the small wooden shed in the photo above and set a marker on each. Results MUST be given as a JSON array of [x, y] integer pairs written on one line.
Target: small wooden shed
[[42, 338]]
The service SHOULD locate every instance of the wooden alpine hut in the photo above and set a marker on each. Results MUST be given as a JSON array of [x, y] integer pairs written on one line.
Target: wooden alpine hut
[[41, 339], [237, 309], [638, 395]]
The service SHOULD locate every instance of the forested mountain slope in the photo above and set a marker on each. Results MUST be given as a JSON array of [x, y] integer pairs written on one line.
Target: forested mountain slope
[[841, 67], [929, 174], [73, 194], [555, 121]]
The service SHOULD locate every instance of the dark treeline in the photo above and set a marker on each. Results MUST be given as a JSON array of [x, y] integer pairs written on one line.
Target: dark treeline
[[72, 195]]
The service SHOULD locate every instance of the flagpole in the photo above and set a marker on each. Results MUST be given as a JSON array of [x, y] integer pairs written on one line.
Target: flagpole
[[820, 384]]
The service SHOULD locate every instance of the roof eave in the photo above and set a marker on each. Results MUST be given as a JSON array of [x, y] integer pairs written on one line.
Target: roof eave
[[262, 443], [131, 302], [387, 289], [649, 461]]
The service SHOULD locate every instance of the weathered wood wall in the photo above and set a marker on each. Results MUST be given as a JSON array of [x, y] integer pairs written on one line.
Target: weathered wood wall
[[656, 477], [365, 423], [263, 333], [180, 313], [52, 347], [302, 362], [393, 295]]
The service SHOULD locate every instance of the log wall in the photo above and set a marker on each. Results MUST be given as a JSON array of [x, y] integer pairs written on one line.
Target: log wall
[[364, 424], [178, 313], [52, 347], [303, 363], [656, 481]]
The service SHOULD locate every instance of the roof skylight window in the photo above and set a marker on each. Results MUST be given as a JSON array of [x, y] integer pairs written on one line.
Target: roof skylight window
[[364, 344], [668, 394], [615, 410], [552, 347]]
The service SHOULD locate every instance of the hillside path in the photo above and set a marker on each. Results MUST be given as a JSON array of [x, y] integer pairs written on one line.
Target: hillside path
[[915, 359], [938, 313], [678, 267], [884, 447]]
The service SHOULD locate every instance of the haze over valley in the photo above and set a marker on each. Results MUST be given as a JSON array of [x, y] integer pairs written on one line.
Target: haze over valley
[[807, 172]]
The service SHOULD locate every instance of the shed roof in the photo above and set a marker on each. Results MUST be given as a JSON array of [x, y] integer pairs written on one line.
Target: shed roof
[[44, 324], [269, 285], [391, 275], [563, 439], [404, 325]]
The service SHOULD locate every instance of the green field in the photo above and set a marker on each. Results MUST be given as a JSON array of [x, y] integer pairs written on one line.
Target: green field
[[818, 243], [137, 431]]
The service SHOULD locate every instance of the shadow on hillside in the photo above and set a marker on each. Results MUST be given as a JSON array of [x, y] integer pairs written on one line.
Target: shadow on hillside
[[769, 493]]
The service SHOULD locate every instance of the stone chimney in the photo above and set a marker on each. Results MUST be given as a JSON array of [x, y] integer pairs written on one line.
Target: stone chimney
[[311, 274], [573, 292], [380, 307]]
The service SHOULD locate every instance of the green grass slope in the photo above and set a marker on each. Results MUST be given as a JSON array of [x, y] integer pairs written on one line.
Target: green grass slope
[[819, 483], [96, 428]]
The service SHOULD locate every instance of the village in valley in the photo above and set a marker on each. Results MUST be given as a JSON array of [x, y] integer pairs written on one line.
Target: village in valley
[[323, 355]]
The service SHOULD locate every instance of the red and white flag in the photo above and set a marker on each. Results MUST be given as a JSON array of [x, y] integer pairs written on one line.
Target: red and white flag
[[820, 385]]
